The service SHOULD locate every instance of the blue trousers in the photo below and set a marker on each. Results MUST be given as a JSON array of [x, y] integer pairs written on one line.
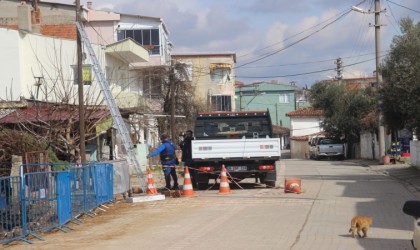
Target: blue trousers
[[168, 172]]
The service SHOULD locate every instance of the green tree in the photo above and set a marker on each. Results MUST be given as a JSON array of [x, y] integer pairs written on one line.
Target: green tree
[[344, 109], [400, 90]]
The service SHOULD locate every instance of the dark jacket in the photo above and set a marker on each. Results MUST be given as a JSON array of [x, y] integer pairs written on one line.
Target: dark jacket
[[186, 149], [166, 150]]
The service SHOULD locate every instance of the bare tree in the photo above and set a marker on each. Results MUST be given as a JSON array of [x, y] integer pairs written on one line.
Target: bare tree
[[52, 115], [183, 103]]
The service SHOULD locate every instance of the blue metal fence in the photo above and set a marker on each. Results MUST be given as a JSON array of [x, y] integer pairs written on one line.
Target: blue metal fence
[[10, 209], [103, 177], [42, 199]]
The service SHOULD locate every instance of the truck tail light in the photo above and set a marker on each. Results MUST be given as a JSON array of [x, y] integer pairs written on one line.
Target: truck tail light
[[206, 168], [266, 167]]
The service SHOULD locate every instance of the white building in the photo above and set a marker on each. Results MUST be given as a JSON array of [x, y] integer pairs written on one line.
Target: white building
[[304, 122]]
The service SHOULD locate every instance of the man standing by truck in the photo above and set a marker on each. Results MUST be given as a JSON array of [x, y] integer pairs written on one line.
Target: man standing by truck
[[166, 150], [187, 156]]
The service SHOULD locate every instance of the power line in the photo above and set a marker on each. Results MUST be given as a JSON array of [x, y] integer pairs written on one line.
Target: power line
[[361, 40], [311, 62], [274, 44], [296, 42], [303, 31], [204, 73], [393, 16], [308, 73], [405, 7]]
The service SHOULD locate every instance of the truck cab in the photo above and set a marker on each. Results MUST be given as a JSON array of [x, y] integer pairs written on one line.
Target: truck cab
[[241, 141]]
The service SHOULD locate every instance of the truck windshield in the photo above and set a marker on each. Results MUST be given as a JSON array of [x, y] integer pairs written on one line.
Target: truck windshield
[[216, 128], [325, 141]]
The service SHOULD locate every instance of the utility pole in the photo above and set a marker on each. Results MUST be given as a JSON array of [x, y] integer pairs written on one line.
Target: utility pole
[[80, 88], [381, 130], [172, 89], [241, 94], [381, 135]]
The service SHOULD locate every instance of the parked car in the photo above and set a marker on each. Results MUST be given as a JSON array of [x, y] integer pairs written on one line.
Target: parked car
[[412, 208], [324, 147]]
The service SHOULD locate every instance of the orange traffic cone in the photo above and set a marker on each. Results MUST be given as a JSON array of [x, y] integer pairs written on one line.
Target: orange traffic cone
[[151, 190], [224, 183], [292, 186], [187, 188]]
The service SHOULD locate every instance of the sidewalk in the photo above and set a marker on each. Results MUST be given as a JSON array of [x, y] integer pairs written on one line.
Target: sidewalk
[[404, 173]]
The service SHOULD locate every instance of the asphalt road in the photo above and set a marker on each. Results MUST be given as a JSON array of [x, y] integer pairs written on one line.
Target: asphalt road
[[254, 217]]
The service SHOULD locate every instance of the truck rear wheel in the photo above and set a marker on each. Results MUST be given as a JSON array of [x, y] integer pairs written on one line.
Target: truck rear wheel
[[270, 184], [203, 185]]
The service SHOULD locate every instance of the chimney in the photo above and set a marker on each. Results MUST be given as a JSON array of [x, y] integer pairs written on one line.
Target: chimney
[[89, 5], [24, 17]]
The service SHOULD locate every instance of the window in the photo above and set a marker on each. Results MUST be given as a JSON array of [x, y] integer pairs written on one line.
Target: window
[[221, 103], [86, 73], [215, 127], [152, 84], [220, 72], [146, 37], [123, 82], [284, 98]]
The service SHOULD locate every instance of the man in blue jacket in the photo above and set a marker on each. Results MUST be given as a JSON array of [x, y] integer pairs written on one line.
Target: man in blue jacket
[[166, 150]]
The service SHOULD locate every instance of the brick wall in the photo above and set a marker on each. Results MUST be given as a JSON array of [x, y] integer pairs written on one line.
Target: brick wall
[[10, 26], [63, 31], [67, 31]]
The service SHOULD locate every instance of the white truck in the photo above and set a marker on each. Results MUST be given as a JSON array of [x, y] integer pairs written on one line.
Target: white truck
[[241, 141]]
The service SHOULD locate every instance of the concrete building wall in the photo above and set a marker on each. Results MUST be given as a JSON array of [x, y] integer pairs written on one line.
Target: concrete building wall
[[302, 126], [415, 154], [139, 22], [279, 99], [300, 149], [201, 76], [367, 141], [10, 65], [51, 19], [27, 57]]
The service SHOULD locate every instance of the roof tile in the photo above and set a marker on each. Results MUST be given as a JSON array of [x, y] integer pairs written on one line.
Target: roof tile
[[305, 112]]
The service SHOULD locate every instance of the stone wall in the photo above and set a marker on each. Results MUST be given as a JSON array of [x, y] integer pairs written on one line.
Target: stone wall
[[415, 153]]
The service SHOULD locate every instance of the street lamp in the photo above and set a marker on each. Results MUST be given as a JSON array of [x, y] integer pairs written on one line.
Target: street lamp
[[377, 25], [360, 10]]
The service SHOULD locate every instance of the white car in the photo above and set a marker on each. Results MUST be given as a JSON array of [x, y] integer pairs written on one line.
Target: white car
[[412, 208]]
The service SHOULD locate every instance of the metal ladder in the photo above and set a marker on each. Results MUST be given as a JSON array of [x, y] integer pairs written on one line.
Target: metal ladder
[[113, 108]]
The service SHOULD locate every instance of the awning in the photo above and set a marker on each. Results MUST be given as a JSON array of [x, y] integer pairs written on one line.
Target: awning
[[220, 66]]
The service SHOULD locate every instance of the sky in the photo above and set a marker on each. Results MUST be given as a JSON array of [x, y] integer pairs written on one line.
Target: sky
[[287, 41]]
